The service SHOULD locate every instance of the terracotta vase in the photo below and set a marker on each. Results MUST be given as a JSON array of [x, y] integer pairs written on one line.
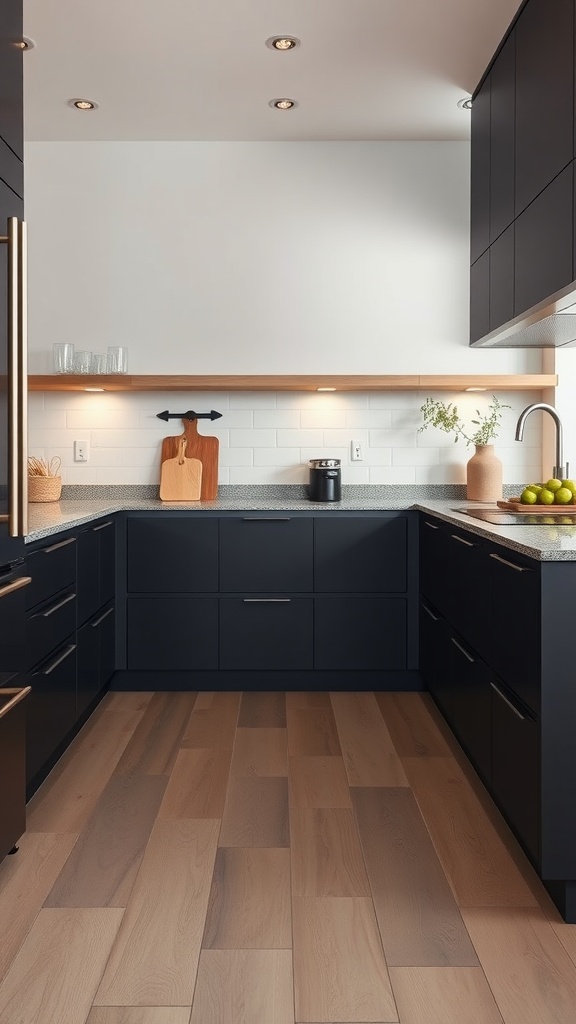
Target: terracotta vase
[[484, 475]]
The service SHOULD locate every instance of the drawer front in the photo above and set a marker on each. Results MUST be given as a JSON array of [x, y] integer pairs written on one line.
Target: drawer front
[[172, 633], [364, 633], [516, 624], [266, 633], [360, 555], [13, 620], [471, 704], [49, 626], [170, 556], [51, 709], [266, 553], [88, 574], [516, 767], [52, 568]]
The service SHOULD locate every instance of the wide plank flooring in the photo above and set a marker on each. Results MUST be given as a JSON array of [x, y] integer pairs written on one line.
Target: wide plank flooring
[[270, 858]]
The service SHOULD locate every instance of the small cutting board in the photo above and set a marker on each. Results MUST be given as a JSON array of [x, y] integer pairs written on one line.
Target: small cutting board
[[197, 447], [181, 478], [515, 505]]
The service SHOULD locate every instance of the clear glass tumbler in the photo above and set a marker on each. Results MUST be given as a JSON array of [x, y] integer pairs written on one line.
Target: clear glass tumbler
[[117, 359], [63, 354], [99, 362], [83, 362]]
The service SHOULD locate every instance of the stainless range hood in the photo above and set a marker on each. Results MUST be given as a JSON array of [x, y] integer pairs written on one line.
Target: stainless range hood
[[549, 324]]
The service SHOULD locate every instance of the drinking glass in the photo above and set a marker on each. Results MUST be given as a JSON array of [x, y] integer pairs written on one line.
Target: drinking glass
[[63, 357], [83, 362], [117, 359], [99, 362]]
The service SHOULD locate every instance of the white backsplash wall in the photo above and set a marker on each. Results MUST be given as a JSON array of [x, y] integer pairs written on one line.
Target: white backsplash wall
[[268, 437]]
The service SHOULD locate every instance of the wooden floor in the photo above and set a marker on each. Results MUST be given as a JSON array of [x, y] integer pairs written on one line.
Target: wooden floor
[[270, 859]]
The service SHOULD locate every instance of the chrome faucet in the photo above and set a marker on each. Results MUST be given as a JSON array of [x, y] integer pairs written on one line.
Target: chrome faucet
[[559, 471]]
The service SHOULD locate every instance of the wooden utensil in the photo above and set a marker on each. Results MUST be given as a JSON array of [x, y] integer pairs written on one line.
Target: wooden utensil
[[181, 478], [198, 447], [515, 505]]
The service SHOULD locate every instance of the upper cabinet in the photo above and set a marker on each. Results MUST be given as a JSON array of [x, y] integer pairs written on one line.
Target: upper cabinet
[[11, 95], [522, 199]]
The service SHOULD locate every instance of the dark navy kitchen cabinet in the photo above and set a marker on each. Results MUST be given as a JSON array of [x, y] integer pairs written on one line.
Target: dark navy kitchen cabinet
[[11, 78], [360, 555], [435, 656], [172, 633], [501, 139], [96, 567], [470, 703], [172, 555], [516, 766], [269, 633], [515, 604], [96, 657], [361, 634], [543, 243], [480, 172], [501, 297], [266, 552], [544, 118], [51, 708], [480, 297]]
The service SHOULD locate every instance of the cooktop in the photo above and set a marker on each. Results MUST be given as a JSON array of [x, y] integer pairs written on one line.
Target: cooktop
[[500, 517]]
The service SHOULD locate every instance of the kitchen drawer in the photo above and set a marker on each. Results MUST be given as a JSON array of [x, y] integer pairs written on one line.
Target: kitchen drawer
[[260, 554], [12, 767], [95, 568], [48, 626], [516, 766], [172, 555], [95, 657], [51, 708], [13, 587], [470, 703], [360, 554], [52, 568], [172, 633], [274, 633], [364, 633], [516, 623]]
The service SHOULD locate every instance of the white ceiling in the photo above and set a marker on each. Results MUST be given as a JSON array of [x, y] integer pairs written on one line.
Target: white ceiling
[[200, 70]]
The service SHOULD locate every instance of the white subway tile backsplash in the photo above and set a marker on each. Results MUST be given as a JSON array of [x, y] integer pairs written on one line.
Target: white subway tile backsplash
[[269, 438]]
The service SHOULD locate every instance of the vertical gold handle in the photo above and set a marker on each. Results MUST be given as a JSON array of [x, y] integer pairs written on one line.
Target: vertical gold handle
[[17, 377]]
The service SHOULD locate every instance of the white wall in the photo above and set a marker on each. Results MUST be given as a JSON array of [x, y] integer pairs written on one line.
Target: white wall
[[269, 437], [255, 257]]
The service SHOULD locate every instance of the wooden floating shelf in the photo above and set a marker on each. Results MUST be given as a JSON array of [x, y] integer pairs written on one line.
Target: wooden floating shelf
[[294, 382]]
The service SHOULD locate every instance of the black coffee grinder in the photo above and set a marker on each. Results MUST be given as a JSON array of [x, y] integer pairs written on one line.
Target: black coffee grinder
[[325, 480]]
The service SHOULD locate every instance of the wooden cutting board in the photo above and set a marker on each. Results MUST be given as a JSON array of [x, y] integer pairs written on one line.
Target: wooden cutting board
[[198, 447], [515, 505], [180, 477]]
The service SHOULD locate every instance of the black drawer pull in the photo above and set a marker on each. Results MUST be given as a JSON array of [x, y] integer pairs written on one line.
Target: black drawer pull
[[462, 649], [461, 540], [431, 525], [511, 565], [102, 526], [435, 618], [267, 600], [55, 607], [15, 585], [58, 661], [266, 519], [101, 619], [508, 702], [61, 544]]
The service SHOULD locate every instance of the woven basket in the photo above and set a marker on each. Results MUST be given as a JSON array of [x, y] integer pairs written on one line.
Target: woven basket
[[44, 488]]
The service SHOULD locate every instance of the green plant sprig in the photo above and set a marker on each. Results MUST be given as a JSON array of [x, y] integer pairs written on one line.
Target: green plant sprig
[[444, 416]]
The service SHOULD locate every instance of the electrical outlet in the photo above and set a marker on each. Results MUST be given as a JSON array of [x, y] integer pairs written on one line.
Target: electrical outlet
[[356, 451], [81, 451]]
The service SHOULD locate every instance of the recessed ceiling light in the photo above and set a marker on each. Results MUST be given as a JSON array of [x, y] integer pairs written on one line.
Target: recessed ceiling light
[[93, 389], [283, 104], [465, 104], [26, 44], [325, 389], [475, 389], [282, 42], [81, 104]]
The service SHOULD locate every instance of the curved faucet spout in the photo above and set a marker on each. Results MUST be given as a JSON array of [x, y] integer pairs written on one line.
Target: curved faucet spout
[[558, 471]]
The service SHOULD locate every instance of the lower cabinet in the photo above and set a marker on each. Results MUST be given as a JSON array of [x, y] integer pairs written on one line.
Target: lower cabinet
[[51, 707], [360, 633], [274, 633], [516, 766], [172, 633], [95, 657], [471, 704]]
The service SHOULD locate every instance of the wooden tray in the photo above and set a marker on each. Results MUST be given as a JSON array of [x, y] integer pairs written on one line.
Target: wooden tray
[[515, 505]]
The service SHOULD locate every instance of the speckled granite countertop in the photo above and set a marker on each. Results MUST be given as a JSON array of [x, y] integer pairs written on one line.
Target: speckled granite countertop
[[545, 543]]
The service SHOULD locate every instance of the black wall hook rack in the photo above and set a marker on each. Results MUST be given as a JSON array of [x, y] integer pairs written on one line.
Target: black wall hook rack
[[190, 415]]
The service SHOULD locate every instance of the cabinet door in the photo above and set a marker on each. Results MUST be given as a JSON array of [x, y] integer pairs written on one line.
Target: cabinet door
[[502, 279], [480, 297], [436, 553], [360, 555], [516, 767], [88, 581], [516, 624], [544, 96], [107, 535], [471, 704], [52, 568], [543, 244], [435, 657], [168, 555], [50, 625], [469, 594], [502, 115], [88, 667], [172, 633], [480, 172], [359, 633], [266, 633], [51, 708], [11, 88], [261, 553]]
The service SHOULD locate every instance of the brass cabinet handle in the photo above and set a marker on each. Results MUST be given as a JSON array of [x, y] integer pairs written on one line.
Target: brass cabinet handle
[[511, 565], [102, 526], [61, 544], [461, 540], [18, 696], [101, 619], [15, 585], [15, 239], [462, 650], [55, 607], [58, 661], [23, 378], [508, 702]]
